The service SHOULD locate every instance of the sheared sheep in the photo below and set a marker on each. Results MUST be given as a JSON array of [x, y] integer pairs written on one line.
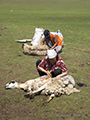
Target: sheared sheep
[[46, 85]]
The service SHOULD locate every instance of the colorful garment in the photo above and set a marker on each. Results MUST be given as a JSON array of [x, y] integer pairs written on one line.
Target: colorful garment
[[49, 67], [60, 42]]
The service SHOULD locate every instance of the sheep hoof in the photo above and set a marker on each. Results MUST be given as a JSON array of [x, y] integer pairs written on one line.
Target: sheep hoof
[[26, 96], [22, 45], [31, 96]]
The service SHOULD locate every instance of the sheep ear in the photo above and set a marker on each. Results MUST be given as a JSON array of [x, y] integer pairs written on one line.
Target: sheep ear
[[12, 82]]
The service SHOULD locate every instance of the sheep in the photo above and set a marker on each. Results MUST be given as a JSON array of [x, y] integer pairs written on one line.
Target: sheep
[[47, 86], [35, 50]]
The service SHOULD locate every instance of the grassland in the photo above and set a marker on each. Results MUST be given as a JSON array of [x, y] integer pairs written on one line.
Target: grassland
[[21, 17]]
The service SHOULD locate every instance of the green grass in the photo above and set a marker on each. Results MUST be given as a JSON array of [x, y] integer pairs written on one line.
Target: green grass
[[72, 17]]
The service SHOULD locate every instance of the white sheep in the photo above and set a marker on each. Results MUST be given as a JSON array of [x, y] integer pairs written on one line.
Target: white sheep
[[46, 85]]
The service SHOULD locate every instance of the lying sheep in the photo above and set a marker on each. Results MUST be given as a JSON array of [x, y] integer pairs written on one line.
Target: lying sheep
[[35, 50], [47, 86]]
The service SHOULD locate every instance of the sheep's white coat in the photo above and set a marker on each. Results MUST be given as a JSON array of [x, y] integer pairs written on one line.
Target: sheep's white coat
[[46, 85]]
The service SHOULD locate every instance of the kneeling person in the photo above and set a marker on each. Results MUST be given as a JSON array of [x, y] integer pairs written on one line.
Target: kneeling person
[[51, 65], [53, 41]]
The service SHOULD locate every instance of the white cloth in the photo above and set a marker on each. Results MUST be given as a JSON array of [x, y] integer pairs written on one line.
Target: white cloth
[[37, 35]]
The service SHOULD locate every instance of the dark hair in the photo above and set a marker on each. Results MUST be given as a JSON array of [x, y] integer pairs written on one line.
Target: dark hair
[[56, 58], [46, 33]]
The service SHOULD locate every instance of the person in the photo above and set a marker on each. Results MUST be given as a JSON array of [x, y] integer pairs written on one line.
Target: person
[[53, 41], [52, 65]]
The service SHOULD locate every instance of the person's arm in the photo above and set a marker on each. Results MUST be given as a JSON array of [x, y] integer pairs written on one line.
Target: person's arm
[[61, 75], [56, 42], [63, 68], [43, 70], [42, 42]]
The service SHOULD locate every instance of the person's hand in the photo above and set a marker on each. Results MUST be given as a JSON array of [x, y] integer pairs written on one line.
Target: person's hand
[[49, 74], [42, 43], [51, 48]]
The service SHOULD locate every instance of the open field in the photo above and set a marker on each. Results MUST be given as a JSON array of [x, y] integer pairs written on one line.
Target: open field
[[21, 17]]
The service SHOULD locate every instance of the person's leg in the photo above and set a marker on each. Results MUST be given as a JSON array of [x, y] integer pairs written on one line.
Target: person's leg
[[40, 72], [56, 72], [37, 63], [58, 49]]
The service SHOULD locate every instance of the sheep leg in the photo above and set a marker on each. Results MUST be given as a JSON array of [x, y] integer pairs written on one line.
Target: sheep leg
[[49, 99], [73, 90], [31, 94]]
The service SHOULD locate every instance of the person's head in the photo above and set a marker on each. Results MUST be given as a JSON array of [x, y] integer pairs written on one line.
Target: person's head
[[47, 33], [52, 56]]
